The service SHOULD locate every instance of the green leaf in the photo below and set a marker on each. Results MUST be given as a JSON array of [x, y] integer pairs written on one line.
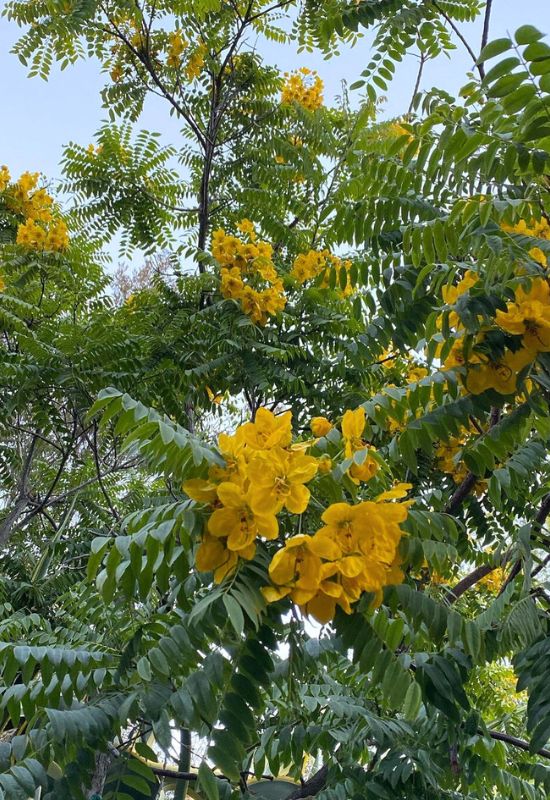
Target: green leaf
[[527, 34], [494, 48], [234, 612], [208, 784], [413, 701]]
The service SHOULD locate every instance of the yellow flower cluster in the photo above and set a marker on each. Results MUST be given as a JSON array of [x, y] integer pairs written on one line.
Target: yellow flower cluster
[[39, 231], [499, 372], [195, 63], [314, 263], [248, 273], [35, 237], [305, 87], [416, 373], [529, 316], [265, 473], [447, 461], [25, 199], [485, 371], [354, 552], [176, 47], [536, 229], [4, 177]]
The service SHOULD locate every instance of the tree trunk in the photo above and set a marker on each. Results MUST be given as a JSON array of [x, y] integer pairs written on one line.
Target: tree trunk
[[102, 763]]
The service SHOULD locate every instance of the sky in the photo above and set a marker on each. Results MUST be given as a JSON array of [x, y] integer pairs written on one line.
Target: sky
[[39, 117]]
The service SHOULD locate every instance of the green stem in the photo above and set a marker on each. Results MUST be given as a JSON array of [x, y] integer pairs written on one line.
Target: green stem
[[184, 763]]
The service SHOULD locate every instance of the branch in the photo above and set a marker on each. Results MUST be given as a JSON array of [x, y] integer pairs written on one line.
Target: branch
[[540, 519], [470, 480], [521, 743], [451, 24], [95, 452], [312, 786], [468, 581], [8, 523], [461, 493], [485, 35], [418, 79]]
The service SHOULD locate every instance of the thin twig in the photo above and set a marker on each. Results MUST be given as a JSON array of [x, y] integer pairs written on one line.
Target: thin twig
[[485, 34], [418, 79], [461, 37]]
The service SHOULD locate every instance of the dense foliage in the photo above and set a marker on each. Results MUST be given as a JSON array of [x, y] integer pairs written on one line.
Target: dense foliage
[[277, 506]]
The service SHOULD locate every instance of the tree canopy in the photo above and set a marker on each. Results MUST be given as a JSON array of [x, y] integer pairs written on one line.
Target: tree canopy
[[274, 507]]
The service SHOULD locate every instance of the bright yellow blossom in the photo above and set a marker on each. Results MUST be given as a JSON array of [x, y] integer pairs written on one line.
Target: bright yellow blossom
[[177, 45], [353, 425], [277, 481], [195, 63], [4, 177], [324, 464], [213, 555], [499, 374], [529, 316], [537, 229], [304, 87], [201, 490], [268, 430], [320, 426], [248, 273], [237, 521]]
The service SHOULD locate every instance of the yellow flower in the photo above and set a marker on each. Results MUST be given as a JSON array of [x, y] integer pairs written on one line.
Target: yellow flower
[[353, 425], [195, 63], [234, 455], [4, 177], [324, 464], [214, 398], [451, 294], [320, 426], [277, 481], [213, 555], [248, 273], [355, 552], [537, 229], [177, 45], [296, 568], [499, 374], [200, 490], [416, 374], [399, 491], [36, 237], [304, 87], [456, 357], [238, 521], [268, 430], [529, 316], [247, 227], [364, 471]]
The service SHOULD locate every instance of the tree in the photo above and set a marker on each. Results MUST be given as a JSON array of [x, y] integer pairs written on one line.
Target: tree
[[362, 309]]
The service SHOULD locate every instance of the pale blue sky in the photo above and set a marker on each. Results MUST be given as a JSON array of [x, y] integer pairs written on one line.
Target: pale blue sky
[[40, 118]]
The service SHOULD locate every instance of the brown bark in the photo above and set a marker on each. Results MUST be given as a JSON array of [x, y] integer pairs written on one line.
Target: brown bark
[[97, 783]]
